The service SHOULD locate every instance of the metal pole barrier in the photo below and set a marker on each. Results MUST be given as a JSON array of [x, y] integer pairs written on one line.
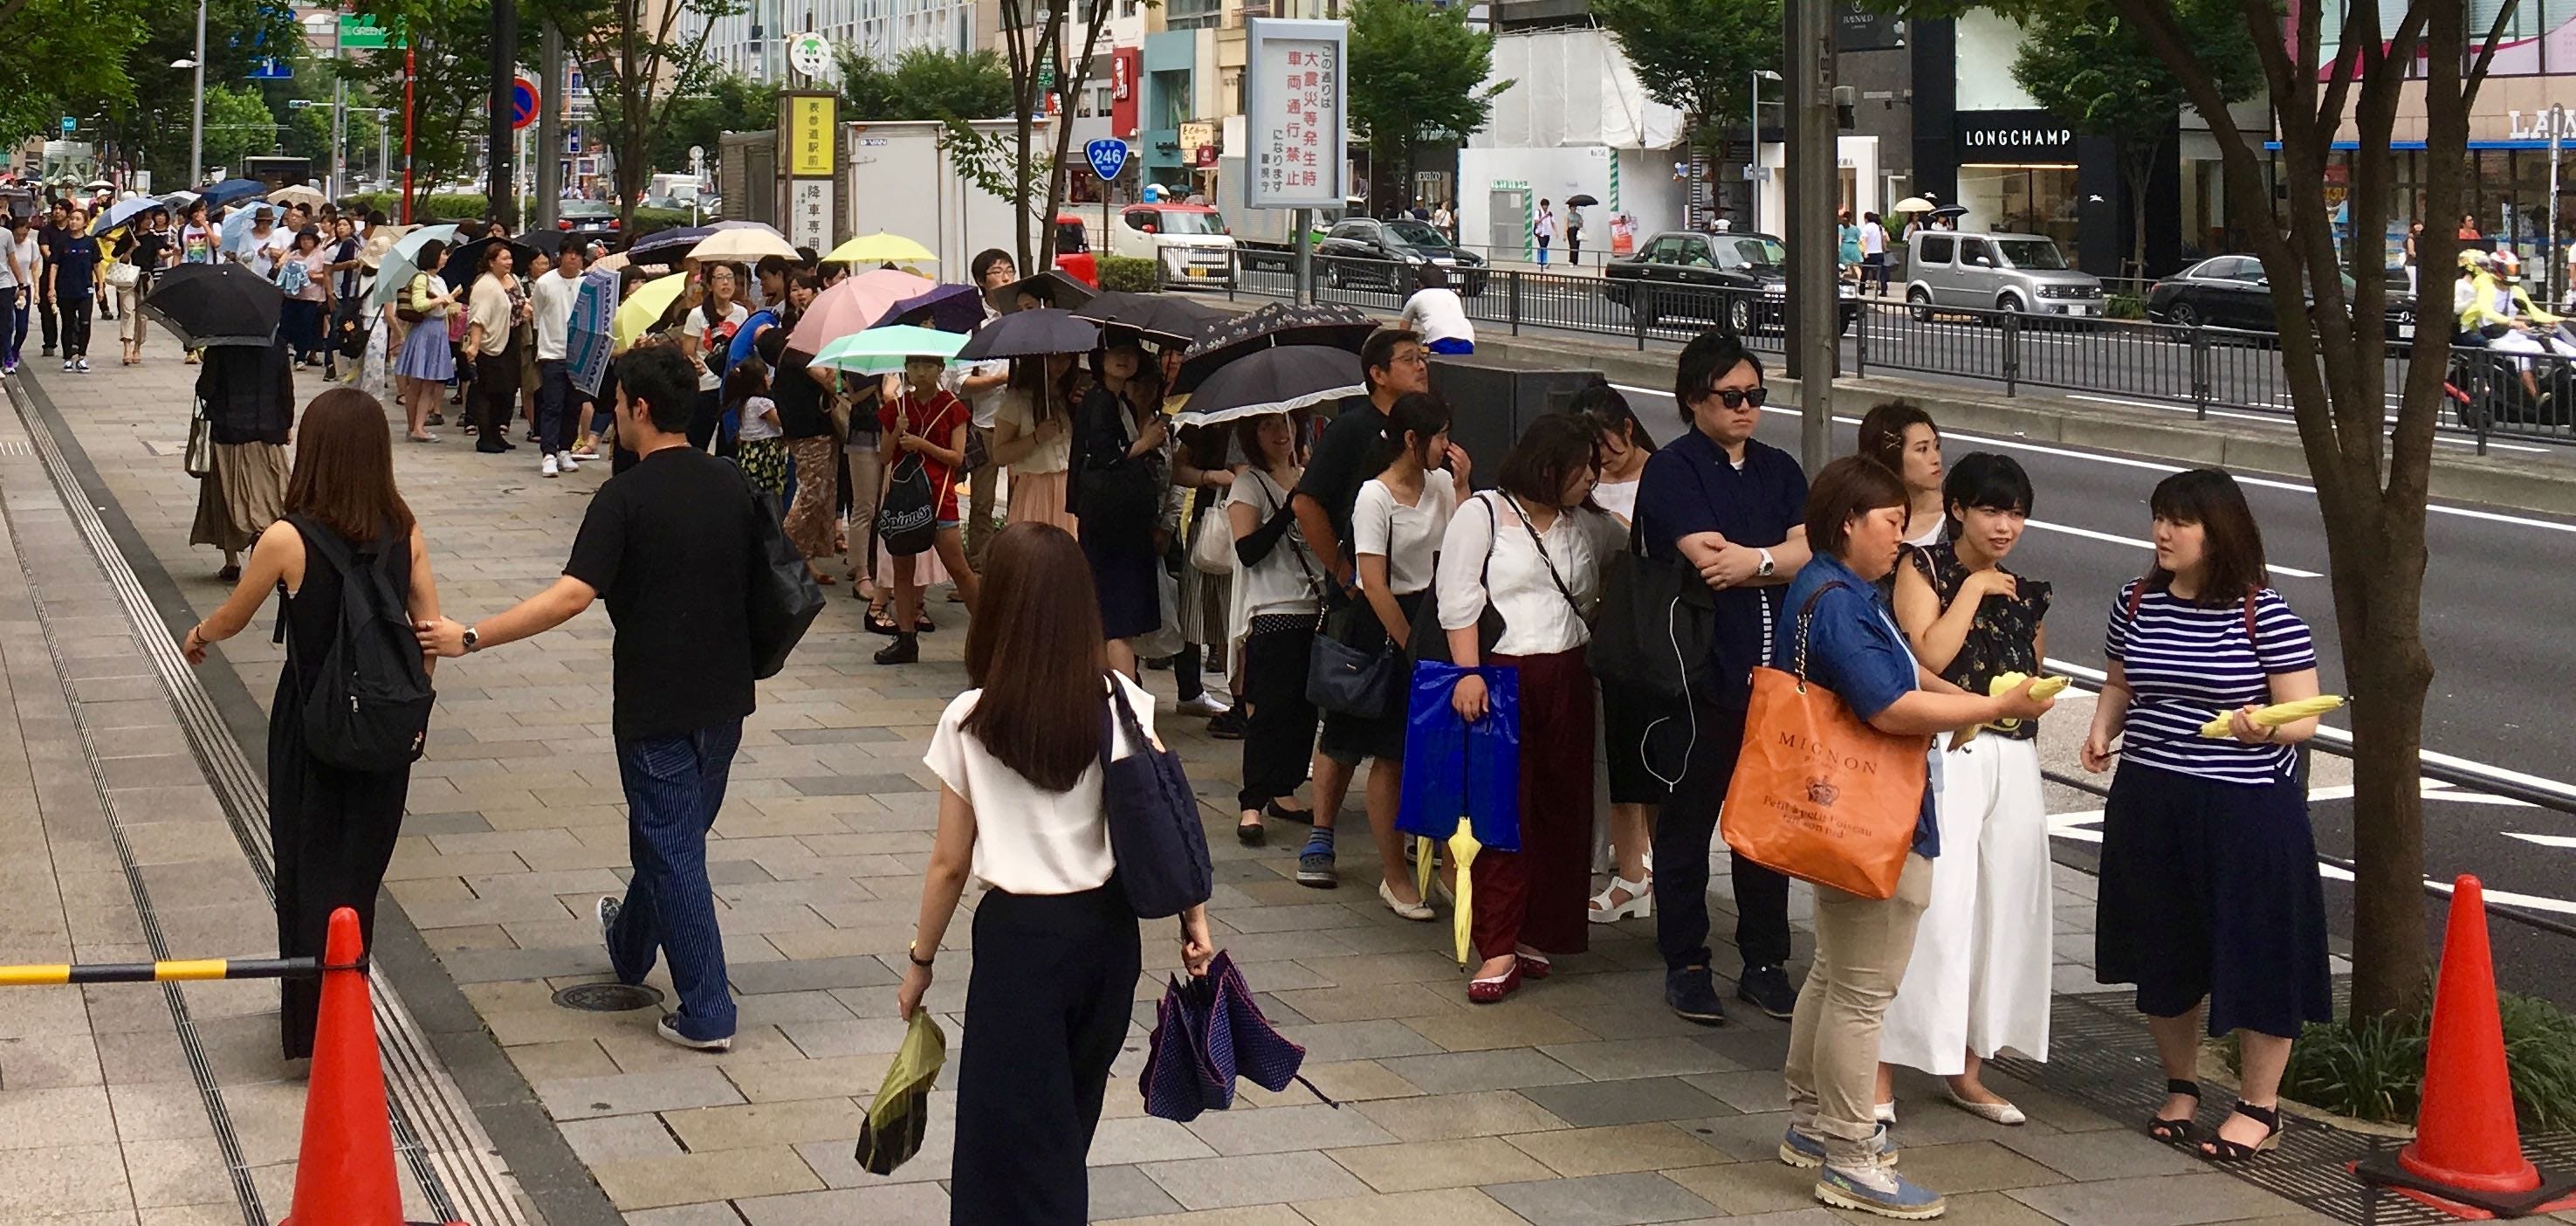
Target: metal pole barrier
[[2200, 390], [1302, 288], [2012, 353], [190, 970], [1512, 279]]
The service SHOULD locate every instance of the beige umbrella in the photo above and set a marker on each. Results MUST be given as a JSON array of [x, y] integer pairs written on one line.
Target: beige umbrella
[[298, 194], [609, 263], [1915, 204], [746, 243]]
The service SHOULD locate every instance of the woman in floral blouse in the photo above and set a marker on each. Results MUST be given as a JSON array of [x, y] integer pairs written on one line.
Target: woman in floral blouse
[[1979, 981]]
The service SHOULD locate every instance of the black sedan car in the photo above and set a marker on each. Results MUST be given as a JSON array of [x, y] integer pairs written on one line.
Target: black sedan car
[[2232, 291], [1738, 280], [587, 219], [1363, 251]]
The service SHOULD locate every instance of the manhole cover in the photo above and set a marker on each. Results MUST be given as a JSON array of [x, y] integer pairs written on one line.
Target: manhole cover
[[608, 997]]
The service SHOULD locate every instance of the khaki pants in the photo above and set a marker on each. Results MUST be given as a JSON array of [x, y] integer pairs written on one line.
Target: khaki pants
[[979, 503], [1862, 945]]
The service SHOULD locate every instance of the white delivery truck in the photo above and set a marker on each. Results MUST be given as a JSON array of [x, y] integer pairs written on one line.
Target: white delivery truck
[[903, 180]]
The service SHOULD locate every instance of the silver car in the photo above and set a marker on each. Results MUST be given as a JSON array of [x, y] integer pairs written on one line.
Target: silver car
[[1996, 272]]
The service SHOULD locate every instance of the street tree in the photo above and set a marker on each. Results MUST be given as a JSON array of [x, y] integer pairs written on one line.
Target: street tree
[[1046, 50], [1417, 76], [238, 125], [2088, 65], [155, 119], [639, 58], [729, 102], [308, 135], [450, 87], [66, 57], [1697, 56], [925, 83], [2372, 473]]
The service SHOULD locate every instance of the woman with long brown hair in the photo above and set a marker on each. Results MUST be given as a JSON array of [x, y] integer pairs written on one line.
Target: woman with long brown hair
[[1021, 807], [334, 829]]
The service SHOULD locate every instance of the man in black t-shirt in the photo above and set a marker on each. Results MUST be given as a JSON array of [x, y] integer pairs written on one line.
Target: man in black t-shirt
[[671, 544], [1352, 451], [49, 239]]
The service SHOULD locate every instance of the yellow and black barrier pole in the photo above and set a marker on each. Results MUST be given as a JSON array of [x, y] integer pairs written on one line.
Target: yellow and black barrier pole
[[176, 971]]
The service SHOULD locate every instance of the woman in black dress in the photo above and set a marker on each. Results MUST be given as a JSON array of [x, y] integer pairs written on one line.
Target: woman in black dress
[[1120, 428], [333, 829]]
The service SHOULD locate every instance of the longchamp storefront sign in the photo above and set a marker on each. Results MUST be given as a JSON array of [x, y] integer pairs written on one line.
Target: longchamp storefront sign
[[2013, 136]]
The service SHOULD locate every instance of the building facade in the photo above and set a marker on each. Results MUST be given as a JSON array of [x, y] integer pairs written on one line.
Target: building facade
[[753, 41]]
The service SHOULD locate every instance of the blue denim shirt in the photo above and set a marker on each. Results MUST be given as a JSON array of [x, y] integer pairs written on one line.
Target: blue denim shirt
[[1855, 650]]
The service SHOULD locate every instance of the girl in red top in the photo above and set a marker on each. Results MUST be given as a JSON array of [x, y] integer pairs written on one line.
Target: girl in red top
[[925, 426]]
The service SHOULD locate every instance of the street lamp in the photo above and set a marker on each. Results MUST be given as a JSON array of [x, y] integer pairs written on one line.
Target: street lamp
[[1753, 163]]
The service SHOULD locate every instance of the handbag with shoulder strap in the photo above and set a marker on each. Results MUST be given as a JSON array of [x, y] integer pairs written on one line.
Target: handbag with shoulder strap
[[1817, 792]]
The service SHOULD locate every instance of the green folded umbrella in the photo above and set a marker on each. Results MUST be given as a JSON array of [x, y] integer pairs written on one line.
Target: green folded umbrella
[[900, 1115]]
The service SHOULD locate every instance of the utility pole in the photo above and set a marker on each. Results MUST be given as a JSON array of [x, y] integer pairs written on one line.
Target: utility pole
[[1812, 192], [339, 115], [550, 138], [197, 124], [502, 181]]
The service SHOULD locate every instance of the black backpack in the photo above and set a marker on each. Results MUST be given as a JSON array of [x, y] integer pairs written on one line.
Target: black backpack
[[367, 700]]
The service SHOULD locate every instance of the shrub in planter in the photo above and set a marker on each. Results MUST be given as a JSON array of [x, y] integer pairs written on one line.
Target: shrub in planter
[[2125, 306], [1135, 276], [2374, 1069]]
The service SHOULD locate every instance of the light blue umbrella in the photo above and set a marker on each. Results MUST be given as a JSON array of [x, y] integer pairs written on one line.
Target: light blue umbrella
[[589, 337], [124, 211], [401, 264], [240, 220]]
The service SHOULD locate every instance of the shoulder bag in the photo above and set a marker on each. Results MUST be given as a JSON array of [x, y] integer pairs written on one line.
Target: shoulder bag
[[1817, 793], [783, 597], [1656, 626], [908, 522], [407, 308], [1155, 838], [1212, 541], [199, 459], [1124, 497]]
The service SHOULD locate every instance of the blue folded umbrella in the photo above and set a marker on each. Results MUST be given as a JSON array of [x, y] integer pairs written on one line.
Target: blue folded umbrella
[[1207, 1032], [231, 190], [1455, 769]]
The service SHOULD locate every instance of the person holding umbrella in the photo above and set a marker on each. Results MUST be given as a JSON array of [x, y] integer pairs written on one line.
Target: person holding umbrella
[[145, 250], [1118, 429], [247, 393], [425, 362], [927, 425]]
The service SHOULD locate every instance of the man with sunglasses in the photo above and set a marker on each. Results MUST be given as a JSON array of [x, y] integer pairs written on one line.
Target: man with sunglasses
[[1735, 508]]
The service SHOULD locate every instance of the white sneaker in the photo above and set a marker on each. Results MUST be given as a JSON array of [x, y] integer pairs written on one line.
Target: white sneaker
[[550, 467], [565, 461], [84, 365], [1207, 703]]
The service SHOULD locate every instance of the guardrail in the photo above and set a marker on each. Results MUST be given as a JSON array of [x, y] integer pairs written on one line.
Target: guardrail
[[2522, 387]]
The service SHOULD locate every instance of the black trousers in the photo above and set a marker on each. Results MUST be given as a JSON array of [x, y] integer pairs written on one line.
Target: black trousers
[[75, 313], [49, 314], [496, 403], [1048, 1003], [1684, 831], [704, 418], [1279, 735]]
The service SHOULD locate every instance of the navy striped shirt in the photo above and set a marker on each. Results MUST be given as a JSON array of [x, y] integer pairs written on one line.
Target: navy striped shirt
[[2187, 663]]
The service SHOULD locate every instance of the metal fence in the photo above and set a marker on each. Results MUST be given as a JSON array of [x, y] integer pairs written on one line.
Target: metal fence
[[2519, 387]]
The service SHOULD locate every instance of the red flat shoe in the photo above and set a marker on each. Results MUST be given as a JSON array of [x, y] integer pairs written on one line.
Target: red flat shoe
[[1533, 966], [1488, 991]]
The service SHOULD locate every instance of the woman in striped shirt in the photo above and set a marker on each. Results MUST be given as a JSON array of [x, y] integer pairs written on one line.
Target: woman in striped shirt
[[2209, 888]]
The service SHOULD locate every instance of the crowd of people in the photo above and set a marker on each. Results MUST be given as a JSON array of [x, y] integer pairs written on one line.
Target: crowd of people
[[1884, 579]]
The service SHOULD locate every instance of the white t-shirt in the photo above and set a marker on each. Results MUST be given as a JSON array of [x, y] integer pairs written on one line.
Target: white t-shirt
[[1408, 537], [1873, 239], [1027, 840], [9, 258], [1619, 497], [695, 329], [1284, 580], [756, 424], [1438, 316], [553, 295], [987, 403], [1053, 455], [261, 252], [1477, 565]]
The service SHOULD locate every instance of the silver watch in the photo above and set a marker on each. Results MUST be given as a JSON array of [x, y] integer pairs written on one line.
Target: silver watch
[[1767, 567], [472, 639]]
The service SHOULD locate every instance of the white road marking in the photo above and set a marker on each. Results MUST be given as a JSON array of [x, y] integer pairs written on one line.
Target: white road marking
[[2544, 840], [2091, 535], [2015, 444]]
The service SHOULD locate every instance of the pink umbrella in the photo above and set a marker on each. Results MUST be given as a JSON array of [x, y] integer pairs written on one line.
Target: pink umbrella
[[854, 305]]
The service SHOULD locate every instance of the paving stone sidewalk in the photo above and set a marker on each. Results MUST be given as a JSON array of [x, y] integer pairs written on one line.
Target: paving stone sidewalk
[[1580, 1100]]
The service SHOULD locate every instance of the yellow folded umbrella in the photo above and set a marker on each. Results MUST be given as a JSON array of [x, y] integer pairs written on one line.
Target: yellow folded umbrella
[[1462, 852], [1999, 685], [642, 311], [2277, 714], [882, 248]]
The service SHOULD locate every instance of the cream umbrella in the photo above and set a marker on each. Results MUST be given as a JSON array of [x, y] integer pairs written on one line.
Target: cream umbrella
[[882, 248]]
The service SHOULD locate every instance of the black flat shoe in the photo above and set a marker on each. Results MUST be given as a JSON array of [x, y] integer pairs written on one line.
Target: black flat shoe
[[229, 574], [1250, 834], [1302, 817], [2181, 1131], [2220, 1149]]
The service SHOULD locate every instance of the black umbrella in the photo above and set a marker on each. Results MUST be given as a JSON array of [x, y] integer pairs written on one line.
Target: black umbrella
[[1580, 202], [1280, 380], [465, 262], [1054, 288], [215, 304], [1165, 317], [681, 237], [1028, 334], [548, 241], [1329, 324], [1951, 211]]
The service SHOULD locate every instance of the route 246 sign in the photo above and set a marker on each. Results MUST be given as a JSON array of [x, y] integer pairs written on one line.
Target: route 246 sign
[[1107, 157]]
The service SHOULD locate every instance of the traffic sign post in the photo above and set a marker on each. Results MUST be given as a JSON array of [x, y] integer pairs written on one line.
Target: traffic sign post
[[69, 124], [1107, 156], [523, 103], [361, 33]]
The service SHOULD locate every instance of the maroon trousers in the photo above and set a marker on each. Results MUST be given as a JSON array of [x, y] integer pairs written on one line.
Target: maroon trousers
[[1536, 896]]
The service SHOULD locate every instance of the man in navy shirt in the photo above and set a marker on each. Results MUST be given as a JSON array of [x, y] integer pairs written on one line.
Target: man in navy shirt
[[1735, 509], [71, 278]]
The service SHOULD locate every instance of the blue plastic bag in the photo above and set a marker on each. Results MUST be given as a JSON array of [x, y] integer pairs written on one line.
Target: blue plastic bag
[[1455, 769]]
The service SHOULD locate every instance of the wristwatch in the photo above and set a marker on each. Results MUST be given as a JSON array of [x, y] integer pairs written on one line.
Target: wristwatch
[[471, 640], [1764, 572]]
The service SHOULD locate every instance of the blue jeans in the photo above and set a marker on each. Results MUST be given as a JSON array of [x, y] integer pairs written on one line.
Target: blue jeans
[[674, 786], [13, 326]]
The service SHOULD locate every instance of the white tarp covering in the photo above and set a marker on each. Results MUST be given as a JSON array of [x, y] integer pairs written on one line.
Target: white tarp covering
[[1572, 87]]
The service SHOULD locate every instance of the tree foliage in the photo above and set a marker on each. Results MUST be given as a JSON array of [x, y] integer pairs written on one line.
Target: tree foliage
[[65, 57], [2088, 65], [1697, 56], [730, 102], [238, 125], [639, 59], [308, 135], [450, 44], [1417, 75], [926, 83]]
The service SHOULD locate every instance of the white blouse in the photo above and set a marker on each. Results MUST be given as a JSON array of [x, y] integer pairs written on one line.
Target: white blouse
[[1479, 563], [1408, 537], [1028, 840], [1284, 580], [1054, 455]]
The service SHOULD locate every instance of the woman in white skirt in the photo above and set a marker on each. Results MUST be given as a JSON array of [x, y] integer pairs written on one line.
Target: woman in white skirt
[[1979, 981]]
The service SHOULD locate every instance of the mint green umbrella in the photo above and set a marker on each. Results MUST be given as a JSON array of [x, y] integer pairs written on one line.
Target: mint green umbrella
[[879, 350]]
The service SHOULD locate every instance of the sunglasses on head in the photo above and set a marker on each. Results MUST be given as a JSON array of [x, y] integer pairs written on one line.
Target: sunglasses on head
[[1735, 398]]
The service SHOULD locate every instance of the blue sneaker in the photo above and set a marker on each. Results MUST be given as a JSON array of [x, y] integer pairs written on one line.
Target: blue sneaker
[[1808, 1153], [1881, 1191], [1315, 864]]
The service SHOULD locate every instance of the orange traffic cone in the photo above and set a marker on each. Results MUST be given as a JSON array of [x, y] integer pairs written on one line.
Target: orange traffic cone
[[345, 1173], [2466, 1159]]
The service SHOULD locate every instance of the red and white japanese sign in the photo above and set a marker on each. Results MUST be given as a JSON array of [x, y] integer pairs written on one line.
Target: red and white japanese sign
[[1295, 113]]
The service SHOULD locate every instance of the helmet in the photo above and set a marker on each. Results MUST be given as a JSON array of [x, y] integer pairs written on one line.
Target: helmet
[[2473, 258]]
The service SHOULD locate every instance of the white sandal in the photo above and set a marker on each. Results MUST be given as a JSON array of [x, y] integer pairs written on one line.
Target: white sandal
[[1416, 911], [1641, 900]]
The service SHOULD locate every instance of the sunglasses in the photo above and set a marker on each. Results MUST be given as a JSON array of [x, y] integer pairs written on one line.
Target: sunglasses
[[1734, 398]]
